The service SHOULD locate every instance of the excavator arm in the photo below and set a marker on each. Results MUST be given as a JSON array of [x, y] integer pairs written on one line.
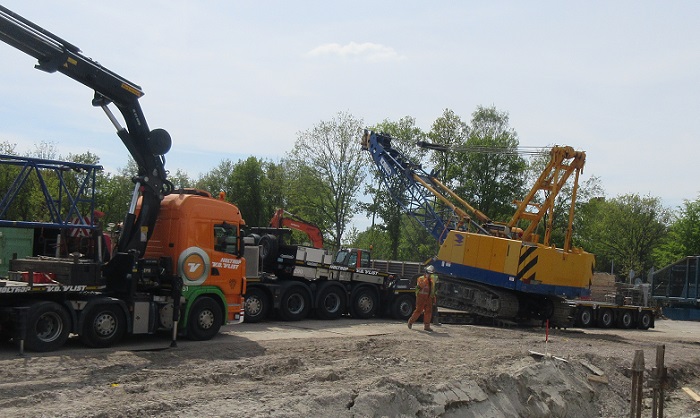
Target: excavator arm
[[146, 146], [284, 219]]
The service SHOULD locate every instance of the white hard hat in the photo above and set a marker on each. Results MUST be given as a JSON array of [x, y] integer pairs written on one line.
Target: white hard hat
[[430, 269]]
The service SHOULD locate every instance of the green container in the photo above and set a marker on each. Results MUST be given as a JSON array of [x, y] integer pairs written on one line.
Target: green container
[[18, 241]]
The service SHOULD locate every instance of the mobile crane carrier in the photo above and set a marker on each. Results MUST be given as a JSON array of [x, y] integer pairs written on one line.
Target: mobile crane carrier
[[494, 269], [178, 252]]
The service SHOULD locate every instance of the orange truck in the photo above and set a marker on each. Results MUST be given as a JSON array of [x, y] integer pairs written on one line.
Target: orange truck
[[201, 236], [179, 256]]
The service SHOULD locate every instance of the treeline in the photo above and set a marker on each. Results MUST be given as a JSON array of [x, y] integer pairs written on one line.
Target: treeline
[[326, 179]]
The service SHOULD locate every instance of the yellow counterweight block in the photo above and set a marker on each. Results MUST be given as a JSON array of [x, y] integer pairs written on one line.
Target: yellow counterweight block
[[569, 273]]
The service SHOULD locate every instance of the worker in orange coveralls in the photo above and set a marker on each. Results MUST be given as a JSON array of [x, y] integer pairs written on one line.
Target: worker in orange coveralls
[[425, 296]]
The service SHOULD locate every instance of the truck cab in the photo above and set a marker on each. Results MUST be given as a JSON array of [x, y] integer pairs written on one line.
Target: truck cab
[[352, 257], [201, 237]]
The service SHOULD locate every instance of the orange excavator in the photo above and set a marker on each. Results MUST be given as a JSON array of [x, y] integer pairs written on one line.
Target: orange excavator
[[284, 219]]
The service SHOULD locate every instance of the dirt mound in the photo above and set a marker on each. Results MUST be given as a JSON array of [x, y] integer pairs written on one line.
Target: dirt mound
[[347, 368]]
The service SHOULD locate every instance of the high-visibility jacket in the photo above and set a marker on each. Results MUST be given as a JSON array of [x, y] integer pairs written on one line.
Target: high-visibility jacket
[[426, 284]]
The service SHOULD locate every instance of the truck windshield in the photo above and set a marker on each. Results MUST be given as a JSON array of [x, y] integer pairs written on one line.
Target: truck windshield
[[340, 258]]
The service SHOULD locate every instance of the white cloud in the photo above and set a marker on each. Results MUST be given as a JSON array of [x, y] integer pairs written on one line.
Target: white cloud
[[368, 51]]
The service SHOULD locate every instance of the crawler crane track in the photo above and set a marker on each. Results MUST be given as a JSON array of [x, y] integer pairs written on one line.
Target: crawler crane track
[[466, 296], [475, 300]]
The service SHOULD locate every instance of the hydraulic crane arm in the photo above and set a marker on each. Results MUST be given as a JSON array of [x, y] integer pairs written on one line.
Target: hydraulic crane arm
[[145, 146]]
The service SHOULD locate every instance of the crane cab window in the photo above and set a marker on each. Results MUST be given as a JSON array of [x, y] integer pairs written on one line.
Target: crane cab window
[[226, 238]]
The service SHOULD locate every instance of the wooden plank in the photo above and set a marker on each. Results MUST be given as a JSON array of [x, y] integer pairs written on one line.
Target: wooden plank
[[692, 394], [598, 379], [592, 368]]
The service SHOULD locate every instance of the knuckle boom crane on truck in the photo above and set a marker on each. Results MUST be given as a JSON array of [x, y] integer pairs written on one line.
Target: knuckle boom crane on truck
[[177, 252], [487, 268]]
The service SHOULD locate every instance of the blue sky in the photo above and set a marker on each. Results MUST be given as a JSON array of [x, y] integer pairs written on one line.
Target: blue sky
[[231, 79]]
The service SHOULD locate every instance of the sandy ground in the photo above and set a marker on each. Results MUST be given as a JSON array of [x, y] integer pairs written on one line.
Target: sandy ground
[[352, 368]]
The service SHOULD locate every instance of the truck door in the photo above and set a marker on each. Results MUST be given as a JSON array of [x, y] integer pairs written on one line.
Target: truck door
[[228, 266]]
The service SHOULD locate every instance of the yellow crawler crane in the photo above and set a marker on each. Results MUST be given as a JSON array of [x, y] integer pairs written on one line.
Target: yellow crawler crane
[[494, 269]]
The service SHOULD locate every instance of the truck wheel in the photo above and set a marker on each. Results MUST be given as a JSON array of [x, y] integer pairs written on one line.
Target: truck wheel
[[644, 320], [626, 319], [295, 304], [584, 318], [364, 303], [205, 319], [268, 248], [605, 318], [331, 303], [48, 326], [257, 304], [104, 326], [403, 306]]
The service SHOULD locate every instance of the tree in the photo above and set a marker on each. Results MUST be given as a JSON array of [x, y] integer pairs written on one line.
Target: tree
[[218, 179], [684, 235], [180, 179], [114, 193], [624, 232], [451, 131], [328, 172], [8, 173], [74, 180], [246, 191], [275, 188], [491, 180]]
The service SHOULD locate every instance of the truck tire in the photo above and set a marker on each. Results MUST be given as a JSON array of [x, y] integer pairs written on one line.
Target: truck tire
[[205, 319], [584, 317], [268, 248], [644, 320], [103, 326], [331, 302], [364, 303], [605, 318], [48, 326], [403, 306], [295, 304], [257, 305], [626, 319]]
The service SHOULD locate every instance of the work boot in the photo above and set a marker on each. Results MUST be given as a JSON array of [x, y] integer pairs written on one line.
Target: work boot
[[428, 329], [410, 325]]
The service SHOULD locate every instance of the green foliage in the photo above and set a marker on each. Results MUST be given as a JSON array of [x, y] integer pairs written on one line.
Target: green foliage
[[624, 232], [451, 131], [415, 243], [218, 179], [306, 193], [327, 172], [490, 181], [684, 235], [275, 188], [256, 186], [180, 179], [114, 193], [246, 191]]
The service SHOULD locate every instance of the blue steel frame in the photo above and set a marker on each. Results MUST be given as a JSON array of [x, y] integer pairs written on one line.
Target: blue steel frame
[[62, 203]]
